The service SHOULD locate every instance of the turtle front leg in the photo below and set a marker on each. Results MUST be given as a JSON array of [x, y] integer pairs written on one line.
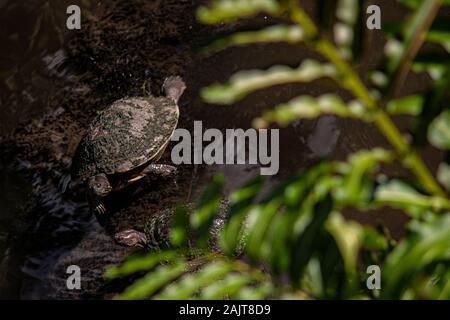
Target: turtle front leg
[[99, 187], [162, 170]]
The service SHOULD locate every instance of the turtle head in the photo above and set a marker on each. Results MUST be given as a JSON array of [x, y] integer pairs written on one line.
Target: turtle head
[[174, 87], [99, 185], [131, 238]]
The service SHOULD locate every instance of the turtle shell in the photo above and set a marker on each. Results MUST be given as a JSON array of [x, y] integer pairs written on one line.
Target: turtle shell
[[125, 135]]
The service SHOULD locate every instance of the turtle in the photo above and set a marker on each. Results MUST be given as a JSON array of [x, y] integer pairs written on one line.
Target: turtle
[[125, 141]]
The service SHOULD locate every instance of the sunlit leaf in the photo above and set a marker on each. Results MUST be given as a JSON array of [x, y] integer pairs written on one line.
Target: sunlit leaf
[[245, 82], [226, 287], [411, 105], [373, 239], [439, 131], [348, 236], [277, 33], [436, 70], [357, 183], [150, 283], [380, 79], [345, 31], [254, 292], [230, 10], [347, 11], [259, 220], [398, 194], [443, 175], [138, 263], [190, 283], [307, 107]]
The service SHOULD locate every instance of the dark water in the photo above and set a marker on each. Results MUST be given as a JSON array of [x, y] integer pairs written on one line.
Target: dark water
[[61, 230], [33, 67]]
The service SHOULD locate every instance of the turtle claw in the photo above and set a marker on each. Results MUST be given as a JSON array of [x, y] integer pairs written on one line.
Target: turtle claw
[[100, 209]]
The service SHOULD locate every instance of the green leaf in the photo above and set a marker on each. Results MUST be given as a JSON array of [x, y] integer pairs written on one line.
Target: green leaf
[[294, 193], [188, 285], [411, 105], [223, 289], [414, 30], [372, 239], [278, 33], [427, 245], [439, 131], [254, 292], [334, 277], [307, 229], [258, 222], [153, 281], [440, 33], [230, 10], [206, 210], [180, 226], [434, 103], [413, 4], [348, 236], [443, 175], [307, 107], [241, 201], [313, 281], [347, 11], [435, 69], [245, 82], [275, 244], [398, 194], [356, 185], [140, 263]]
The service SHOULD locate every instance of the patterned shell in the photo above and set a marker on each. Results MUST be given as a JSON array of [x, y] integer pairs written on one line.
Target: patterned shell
[[127, 134]]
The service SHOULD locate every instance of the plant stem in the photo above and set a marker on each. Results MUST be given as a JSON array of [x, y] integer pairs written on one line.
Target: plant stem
[[353, 83], [422, 21]]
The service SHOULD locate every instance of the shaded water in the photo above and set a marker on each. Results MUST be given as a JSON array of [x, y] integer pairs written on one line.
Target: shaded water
[[58, 229]]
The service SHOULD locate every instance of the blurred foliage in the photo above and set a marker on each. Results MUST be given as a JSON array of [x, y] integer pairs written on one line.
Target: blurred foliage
[[293, 242]]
